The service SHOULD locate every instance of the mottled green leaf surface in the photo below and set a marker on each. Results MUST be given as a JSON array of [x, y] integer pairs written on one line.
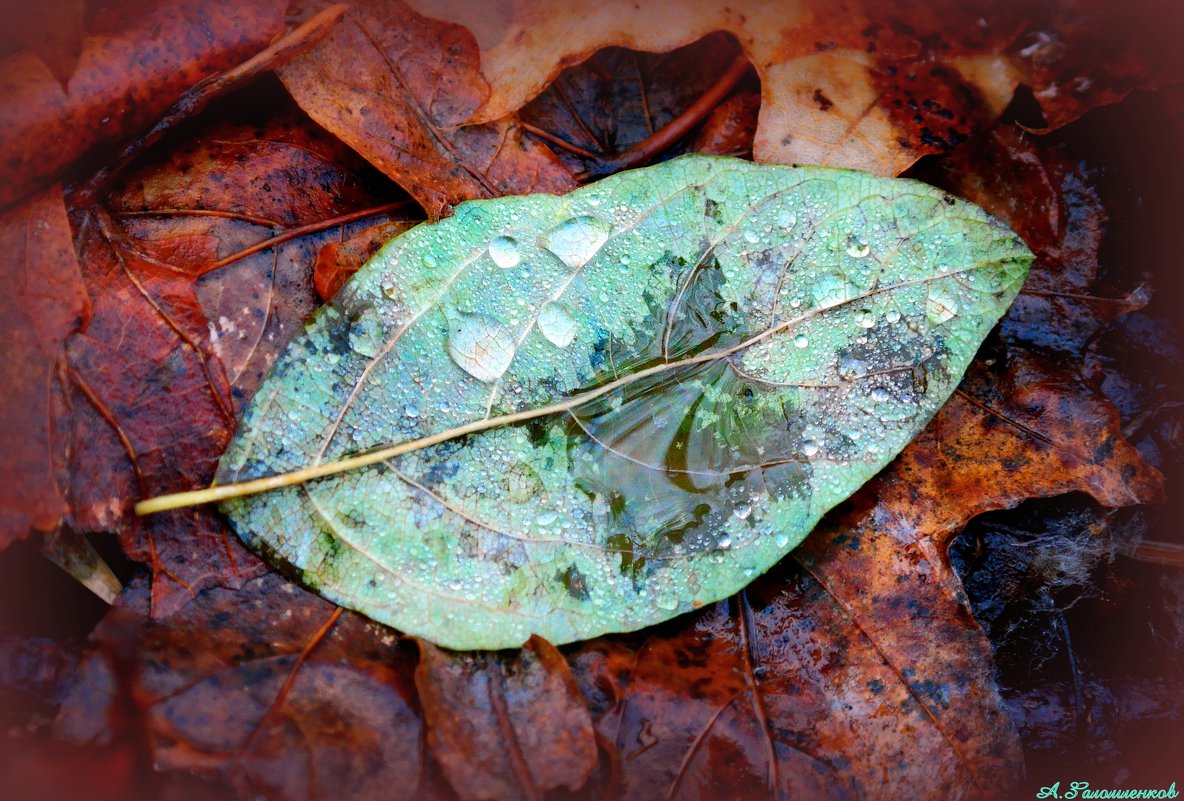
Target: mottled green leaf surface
[[772, 337]]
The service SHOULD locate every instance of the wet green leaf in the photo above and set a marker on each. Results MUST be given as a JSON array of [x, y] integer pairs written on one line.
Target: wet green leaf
[[662, 381]]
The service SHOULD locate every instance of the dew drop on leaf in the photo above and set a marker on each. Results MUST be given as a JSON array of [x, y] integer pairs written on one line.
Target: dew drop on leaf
[[557, 324], [480, 348], [801, 341], [940, 306], [576, 241], [504, 252]]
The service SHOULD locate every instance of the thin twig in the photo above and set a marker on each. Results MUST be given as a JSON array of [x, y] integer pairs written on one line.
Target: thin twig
[[200, 94], [558, 141], [299, 231]]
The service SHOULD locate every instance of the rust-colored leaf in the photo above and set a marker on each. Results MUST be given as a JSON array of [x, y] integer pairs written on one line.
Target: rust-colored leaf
[[124, 80], [397, 87], [337, 261], [505, 727], [43, 302], [269, 688], [53, 29]]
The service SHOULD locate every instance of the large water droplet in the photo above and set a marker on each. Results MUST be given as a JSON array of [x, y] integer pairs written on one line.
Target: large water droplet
[[879, 395], [892, 316], [941, 305], [666, 601], [829, 291], [810, 448], [801, 341], [851, 367], [781, 540], [480, 347], [865, 319], [858, 250], [504, 252], [577, 240], [557, 324]]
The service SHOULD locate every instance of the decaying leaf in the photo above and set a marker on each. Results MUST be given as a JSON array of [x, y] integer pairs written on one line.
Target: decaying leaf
[[509, 727], [43, 303], [268, 687], [662, 382], [124, 80], [397, 87]]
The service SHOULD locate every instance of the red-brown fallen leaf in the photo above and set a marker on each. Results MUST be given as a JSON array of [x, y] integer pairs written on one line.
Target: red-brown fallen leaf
[[236, 184], [730, 128], [149, 411], [53, 29], [619, 98], [397, 88], [1052, 202], [338, 261], [505, 727], [863, 84], [125, 79], [43, 302], [1090, 53], [270, 688]]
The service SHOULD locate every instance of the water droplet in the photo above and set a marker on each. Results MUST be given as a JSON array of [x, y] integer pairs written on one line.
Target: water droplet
[[666, 601], [940, 306], [810, 448], [504, 252], [850, 367], [801, 341], [786, 218], [388, 287], [557, 324], [781, 540], [480, 347], [829, 291], [412, 412], [546, 518], [725, 541], [858, 250], [865, 319], [577, 240], [742, 511], [752, 237], [879, 395], [892, 316]]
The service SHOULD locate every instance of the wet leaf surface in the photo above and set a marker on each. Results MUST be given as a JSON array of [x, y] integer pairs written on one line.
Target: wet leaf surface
[[822, 679], [398, 87], [684, 393]]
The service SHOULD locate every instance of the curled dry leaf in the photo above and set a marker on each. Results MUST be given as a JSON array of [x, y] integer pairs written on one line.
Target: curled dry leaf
[[506, 727], [43, 303], [124, 80], [398, 88], [676, 371], [269, 688]]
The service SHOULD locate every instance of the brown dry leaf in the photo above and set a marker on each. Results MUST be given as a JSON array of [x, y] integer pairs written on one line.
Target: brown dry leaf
[[53, 29], [864, 85], [338, 261], [729, 129], [42, 304], [397, 87], [270, 688], [124, 81], [505, 727], [236, 185]]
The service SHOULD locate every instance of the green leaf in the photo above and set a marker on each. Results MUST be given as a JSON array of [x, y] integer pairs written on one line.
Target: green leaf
[[605, 409]]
